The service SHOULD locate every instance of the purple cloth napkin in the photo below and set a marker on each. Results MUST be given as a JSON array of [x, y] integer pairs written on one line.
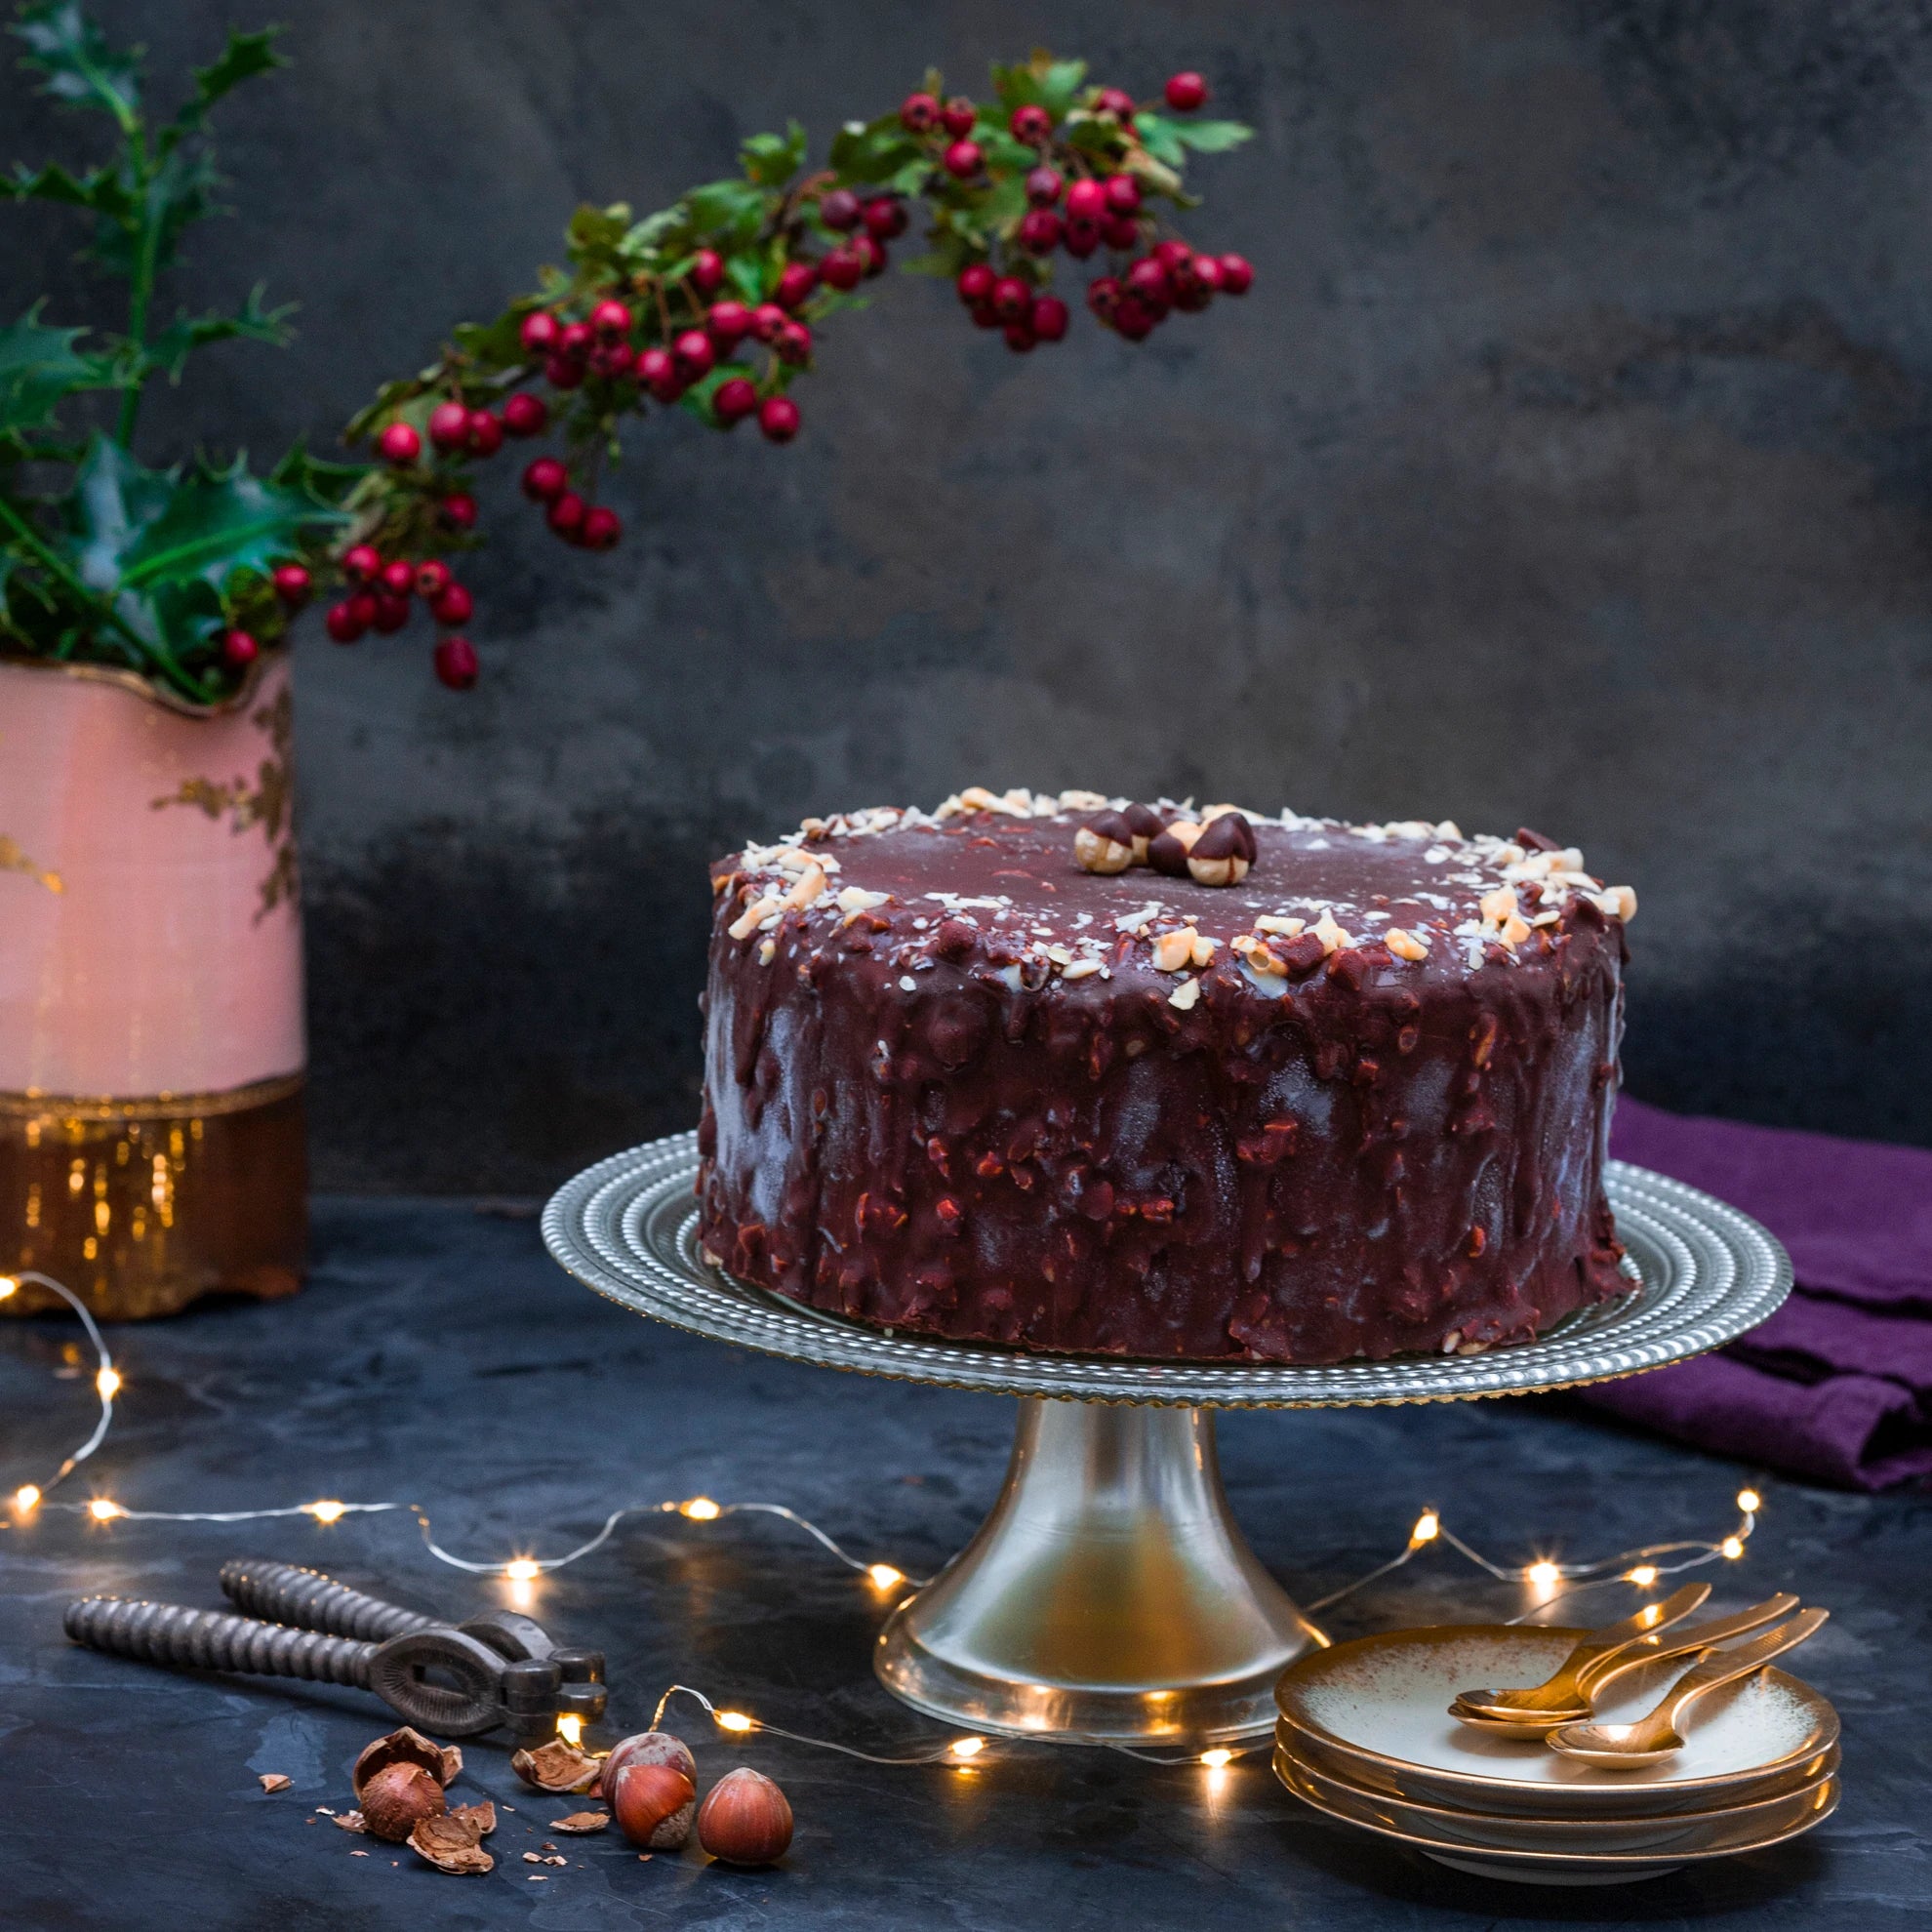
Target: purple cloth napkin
[[1837, 1385]]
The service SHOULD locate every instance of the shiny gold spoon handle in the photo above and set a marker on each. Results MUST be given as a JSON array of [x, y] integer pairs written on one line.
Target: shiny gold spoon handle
[[1597, 1649], [1593, 1677], [1728, 1665]]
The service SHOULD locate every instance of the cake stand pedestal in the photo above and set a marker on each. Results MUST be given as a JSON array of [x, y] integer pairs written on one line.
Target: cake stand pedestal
[[1109, 1597]]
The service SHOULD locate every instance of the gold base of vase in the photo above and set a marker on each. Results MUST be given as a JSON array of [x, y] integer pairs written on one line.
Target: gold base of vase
[[142, 1206]]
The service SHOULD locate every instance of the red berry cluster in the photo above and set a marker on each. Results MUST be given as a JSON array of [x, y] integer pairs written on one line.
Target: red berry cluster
[[713, 303], [380, 601], [1074, 206]]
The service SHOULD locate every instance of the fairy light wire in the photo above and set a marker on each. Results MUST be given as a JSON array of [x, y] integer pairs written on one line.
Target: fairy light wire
[[106, 1382], [1553, 1581]]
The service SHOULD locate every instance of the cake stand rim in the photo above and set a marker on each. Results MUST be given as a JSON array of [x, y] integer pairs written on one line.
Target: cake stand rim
[[703, 1300]]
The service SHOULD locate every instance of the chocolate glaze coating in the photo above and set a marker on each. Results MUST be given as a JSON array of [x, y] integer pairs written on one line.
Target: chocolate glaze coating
[[915, 1118]]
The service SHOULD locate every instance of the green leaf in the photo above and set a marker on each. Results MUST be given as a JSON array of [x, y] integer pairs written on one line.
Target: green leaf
[[114, 501], [179, 195], [748, 276], [80, 66], [728, 211], [1161, 139], [771, 160], [170, 350], [215, 522], [101, 191], [644, 240], [1213, 136], [328, 483], [38, 366], [874, 151], [246, 55]]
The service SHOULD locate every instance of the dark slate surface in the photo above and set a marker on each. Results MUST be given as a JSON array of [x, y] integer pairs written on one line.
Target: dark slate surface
[[439, 1357], [1567, 466]]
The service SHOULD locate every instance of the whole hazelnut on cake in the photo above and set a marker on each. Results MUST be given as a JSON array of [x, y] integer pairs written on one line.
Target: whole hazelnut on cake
[[1145, 822], [1167, 851], [1105, 843], [745, 1819], [1222, 853]]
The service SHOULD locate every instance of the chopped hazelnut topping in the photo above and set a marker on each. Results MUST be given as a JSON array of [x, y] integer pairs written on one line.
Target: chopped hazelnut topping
[[753, 916], [767, 952], [1333, 938], [1405, 944], [1619, 901], [1499, 906], [811, 883], [1174, 952], [1185, 994], [1274, 922], [1080, 969], [1202, 953]]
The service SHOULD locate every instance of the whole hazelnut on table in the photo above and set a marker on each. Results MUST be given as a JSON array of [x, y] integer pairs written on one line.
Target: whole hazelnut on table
[[399, 1799], [745, 1819], [1105, 843], [650, 1810]]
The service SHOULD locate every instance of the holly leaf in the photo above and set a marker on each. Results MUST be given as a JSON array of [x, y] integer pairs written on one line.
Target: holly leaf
[[38, 366], [180, 193], [771, 160], [246, 55], [327, 483], [170, 350], [81, 69], [114, 501], [101, 191], [215, 522]]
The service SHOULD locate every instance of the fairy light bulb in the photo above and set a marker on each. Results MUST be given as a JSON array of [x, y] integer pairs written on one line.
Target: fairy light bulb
[[26, 1498], [1644, 1576], [569, 1727], [884, 1576], [701, 1510], [107, 1381], [1732, 1547], [1544, 1575], [1215, 1758], [8, 1286], [1428, 1526], [522, 1570], [102, 1511], [731, 1720], [968, 1746], [327, 1512], [1749, 1502]]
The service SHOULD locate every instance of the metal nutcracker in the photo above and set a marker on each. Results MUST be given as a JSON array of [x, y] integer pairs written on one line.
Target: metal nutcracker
[[451, 1680]]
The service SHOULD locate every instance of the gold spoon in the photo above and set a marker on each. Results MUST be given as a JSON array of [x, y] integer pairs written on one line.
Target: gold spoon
[[1563, 1693], [1652, 1738], [1531, 1714]]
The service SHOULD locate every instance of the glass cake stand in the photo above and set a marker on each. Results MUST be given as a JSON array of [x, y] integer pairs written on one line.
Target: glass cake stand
[[1109, 1597]]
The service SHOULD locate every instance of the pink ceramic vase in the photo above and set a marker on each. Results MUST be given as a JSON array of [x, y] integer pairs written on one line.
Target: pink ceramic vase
[[151, 1047]]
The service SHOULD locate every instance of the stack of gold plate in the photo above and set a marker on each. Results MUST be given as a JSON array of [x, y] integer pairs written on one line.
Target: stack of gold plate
[[1365, 1736]]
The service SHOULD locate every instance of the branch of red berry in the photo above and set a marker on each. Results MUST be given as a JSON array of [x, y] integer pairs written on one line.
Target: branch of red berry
[[711, 306]]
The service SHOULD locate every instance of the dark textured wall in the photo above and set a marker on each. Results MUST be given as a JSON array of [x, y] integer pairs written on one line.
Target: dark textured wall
[[1569, 464]]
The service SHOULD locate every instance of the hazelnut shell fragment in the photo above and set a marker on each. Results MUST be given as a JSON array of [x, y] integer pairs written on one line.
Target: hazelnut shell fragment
[[450, 1844], [405, 1746], [557, 1768], [745, 1819], [579, 1824]]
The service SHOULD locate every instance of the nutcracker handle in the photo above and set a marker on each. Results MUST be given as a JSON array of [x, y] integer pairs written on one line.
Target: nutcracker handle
[[289, 1594]]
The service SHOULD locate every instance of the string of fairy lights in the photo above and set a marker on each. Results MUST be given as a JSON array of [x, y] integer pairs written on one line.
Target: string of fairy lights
[[1547, 1580]]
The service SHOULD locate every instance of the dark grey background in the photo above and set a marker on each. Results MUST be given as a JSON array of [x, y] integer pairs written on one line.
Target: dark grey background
[[1568, 464]]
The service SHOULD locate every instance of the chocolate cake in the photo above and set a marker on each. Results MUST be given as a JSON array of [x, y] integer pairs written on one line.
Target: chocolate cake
[[1072, 1073]]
